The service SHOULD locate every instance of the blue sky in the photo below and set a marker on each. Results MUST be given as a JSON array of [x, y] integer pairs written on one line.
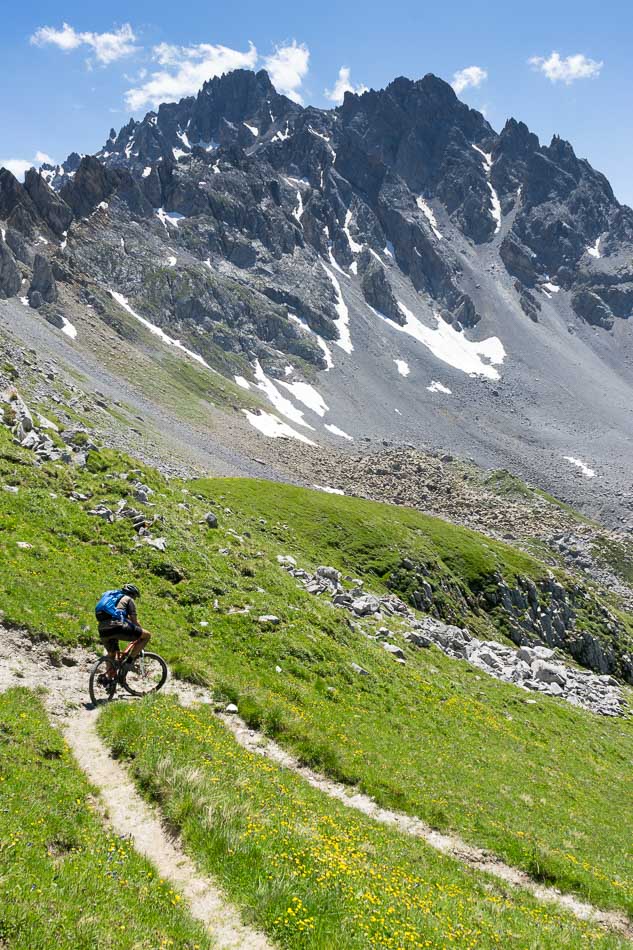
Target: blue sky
[[62, 87]]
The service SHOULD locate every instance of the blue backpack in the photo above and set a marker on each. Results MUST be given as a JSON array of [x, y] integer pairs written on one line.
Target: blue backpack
[[106, 608]]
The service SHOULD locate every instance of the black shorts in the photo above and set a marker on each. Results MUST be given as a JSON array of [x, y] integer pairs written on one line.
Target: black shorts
[[110, 638]]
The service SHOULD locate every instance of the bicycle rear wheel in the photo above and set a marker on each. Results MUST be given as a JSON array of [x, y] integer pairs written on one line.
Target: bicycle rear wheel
[[103, 681], [147, 675]]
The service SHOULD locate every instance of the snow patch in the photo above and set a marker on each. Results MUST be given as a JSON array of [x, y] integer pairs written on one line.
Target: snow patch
[[298, 212], [277, 399], [326, 139], [173, 217], [403, 367], [354, 246], [171, 261], [122, 301], [147, 171], [437, 387], [69, 329], [243, 383], [389, 250], [549, 288], [273, 427], [252, 129], [306, 394], [330, 491], [429, 214], [584, 468], [449, 346], [336, 431], [494, 197], [594, 251], [281, 136], [342, 324]]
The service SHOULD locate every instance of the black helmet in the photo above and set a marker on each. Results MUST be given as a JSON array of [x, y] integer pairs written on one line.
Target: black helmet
[[131, 590]]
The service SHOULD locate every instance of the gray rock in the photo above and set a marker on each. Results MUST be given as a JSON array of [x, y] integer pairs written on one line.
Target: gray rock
[[418, 639], [102, 511], [211, 520], [269, 620], [42, 282], [547, 673], [286, 560], [159, 543], [329, 574], [395, 651], [10, 279], [359, 669], [367, 604]]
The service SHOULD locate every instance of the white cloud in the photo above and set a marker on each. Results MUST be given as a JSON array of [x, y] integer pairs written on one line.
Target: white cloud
[[19, 166], [185, 70], [287, 67], [566, 70], [469, 77], [107, 47], [342, 85]]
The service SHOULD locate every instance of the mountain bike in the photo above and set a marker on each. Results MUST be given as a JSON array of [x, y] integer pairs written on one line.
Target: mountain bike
[[146, 674]]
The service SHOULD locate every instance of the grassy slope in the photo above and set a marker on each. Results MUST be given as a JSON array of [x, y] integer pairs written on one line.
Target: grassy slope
[[310, 872], [66, 883], [547, 786]]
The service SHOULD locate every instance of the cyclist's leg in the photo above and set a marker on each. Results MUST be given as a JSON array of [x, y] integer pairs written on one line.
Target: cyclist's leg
[[139, 644], [139, 640], [111, 646]]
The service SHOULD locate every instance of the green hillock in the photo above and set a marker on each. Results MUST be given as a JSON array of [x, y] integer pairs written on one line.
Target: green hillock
[[543, 784]]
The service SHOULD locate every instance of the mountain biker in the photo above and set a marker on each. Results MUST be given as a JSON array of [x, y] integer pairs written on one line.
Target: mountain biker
[[124, 625]]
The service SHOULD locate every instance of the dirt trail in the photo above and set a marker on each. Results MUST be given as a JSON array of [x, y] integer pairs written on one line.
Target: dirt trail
[[473, 857], [125, 811], [28, 664]]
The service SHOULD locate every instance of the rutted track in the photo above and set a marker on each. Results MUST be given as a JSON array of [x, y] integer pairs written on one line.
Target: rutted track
[[31, 664]]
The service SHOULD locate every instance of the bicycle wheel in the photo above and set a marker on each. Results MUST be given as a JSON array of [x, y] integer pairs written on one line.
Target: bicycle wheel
[[147, 675], [102, 685]]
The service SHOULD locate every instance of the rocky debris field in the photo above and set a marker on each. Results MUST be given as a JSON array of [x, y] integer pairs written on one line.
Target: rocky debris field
[[494, 502], [535, 668], [38, 434]]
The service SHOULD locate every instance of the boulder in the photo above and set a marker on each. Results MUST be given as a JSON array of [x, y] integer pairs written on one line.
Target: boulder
[[359, 669], [367, 604], [268, 620], [329, 574], [418, 639], [159, 543], [548, 673], [395, 651]]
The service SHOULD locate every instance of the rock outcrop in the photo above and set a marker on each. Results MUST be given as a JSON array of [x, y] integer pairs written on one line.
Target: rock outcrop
[[10, 279], [43, 288]]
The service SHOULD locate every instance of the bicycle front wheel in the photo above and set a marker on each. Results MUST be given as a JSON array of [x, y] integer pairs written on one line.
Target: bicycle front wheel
[[103, 681], [148, 674]]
